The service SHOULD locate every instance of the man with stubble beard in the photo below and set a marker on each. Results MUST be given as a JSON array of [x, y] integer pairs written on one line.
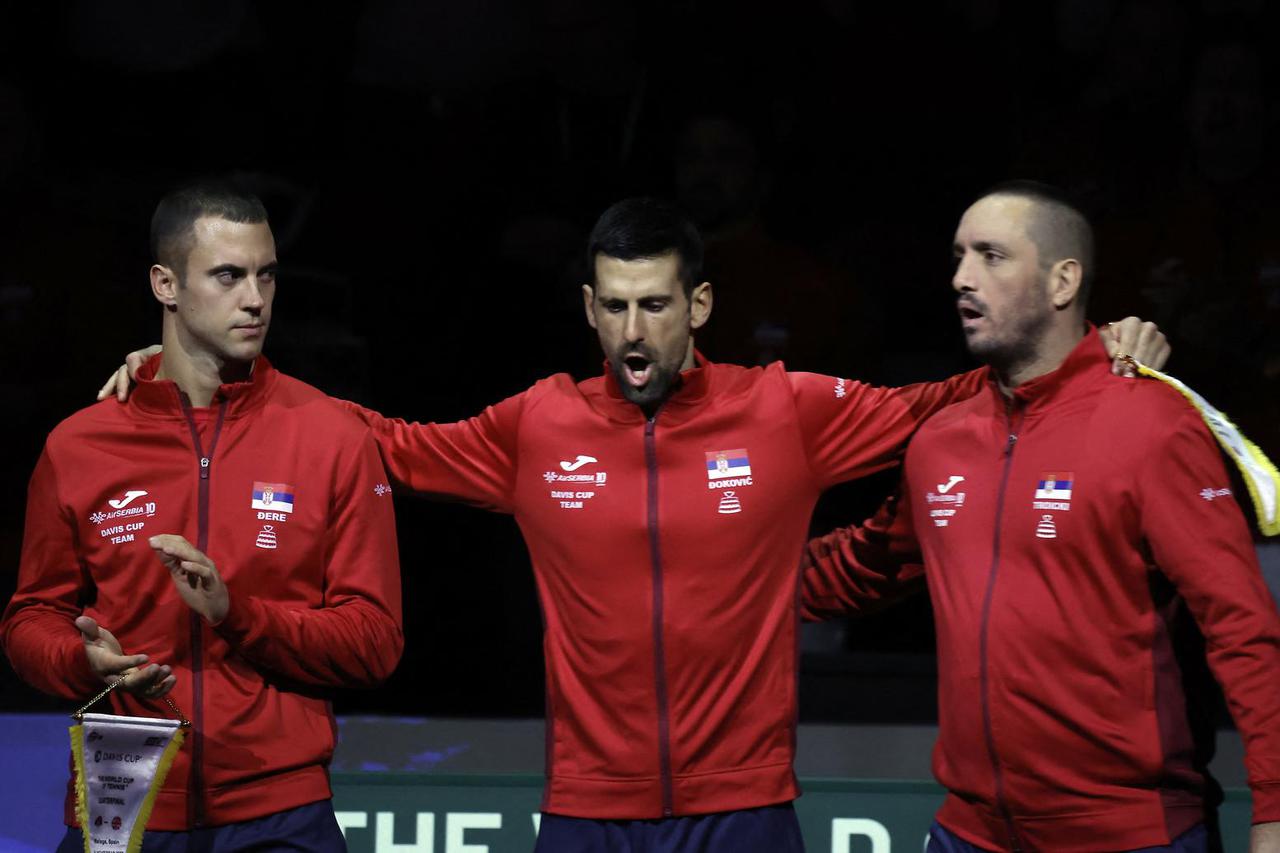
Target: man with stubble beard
[[1069, 523]]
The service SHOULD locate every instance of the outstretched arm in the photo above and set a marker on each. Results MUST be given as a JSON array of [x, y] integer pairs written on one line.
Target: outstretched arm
[[852, 429], [471, 461]]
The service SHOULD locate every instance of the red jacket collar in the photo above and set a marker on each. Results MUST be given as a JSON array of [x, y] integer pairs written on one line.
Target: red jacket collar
[[1088, 358], [163, 397]]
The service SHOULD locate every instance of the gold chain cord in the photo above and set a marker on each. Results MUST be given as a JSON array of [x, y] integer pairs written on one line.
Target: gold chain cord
[[78, 716]]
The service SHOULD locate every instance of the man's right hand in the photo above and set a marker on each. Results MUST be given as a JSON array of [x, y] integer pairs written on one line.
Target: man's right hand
[[122, 380], [109, 661]]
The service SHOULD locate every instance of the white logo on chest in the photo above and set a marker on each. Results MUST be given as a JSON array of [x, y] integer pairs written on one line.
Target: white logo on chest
[[577, 463], [124, 521], [569, 468], [729, 504], [267, 538], [944, 503], [129, 497]]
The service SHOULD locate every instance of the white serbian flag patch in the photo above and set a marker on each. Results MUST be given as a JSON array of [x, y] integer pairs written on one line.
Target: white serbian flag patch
[[728, 463], [274, 497], [1055, 486]]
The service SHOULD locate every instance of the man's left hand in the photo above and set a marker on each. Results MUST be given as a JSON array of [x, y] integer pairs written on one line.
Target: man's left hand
[[195, 576], [1265, 838], [1133, 337]]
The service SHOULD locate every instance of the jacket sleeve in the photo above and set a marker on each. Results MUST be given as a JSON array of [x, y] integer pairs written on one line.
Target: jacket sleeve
[[863, 567], [1199, 538], [38, 629], [473, 460], [355, 637], [851, 429]]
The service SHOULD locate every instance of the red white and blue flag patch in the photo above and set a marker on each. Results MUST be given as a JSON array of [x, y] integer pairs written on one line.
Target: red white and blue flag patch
[[273, 497], [1055, 486], [728, 463]]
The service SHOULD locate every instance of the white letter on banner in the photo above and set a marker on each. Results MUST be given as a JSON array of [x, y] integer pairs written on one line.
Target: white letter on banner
[[456, 825], [351, 820], [842, 828], [537, 823], [385, 833]]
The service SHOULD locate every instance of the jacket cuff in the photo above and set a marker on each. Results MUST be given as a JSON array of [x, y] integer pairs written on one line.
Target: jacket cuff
[[1266, 802], [242, 624]]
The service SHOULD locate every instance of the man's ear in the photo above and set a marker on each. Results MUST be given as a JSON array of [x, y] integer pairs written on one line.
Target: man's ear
[[588, 304], [700, 305], [1065, 278], [164, 286]]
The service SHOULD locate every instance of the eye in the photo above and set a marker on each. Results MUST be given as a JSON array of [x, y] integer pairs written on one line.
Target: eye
[[268, 277], [226, 277], [614, 307], [992, 257]]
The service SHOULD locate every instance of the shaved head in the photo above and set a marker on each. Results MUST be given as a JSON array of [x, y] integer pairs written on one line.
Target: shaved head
[[173, 224], [1056, 226]]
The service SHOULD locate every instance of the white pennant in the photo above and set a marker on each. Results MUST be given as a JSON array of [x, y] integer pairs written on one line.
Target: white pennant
[[120, 763]]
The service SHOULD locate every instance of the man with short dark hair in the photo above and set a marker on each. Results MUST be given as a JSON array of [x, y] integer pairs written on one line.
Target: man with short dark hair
[[291, 586], [663, 504], [1066, 519]]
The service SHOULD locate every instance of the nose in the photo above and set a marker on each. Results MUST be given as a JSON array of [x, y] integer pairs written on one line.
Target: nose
[[633, 328], [251, 299], [962, 278]]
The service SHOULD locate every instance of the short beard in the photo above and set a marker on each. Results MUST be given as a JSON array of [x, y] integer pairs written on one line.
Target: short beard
[[658, 388], [1007, 356]]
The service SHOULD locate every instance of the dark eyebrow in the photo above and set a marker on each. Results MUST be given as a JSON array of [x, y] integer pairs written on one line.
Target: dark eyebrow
[[238, 272], [985, 246], [273, 268]]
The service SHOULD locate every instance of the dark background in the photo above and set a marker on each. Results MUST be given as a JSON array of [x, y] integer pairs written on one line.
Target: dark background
[[432, 169]]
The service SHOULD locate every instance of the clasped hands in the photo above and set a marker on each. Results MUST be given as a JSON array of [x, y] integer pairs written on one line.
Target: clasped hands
[[198, 584]]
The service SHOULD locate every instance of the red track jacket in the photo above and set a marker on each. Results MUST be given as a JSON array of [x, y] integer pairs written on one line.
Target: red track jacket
[[665, 553], [312, 570], [1061, 532]]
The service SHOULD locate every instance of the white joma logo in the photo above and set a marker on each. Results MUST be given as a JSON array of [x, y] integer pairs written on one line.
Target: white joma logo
[[129, 497], [578, 463], [943, 488]]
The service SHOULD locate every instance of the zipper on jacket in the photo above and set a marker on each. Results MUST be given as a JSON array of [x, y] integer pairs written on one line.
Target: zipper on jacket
[[195, 798], [984, 666], [659, 654]]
